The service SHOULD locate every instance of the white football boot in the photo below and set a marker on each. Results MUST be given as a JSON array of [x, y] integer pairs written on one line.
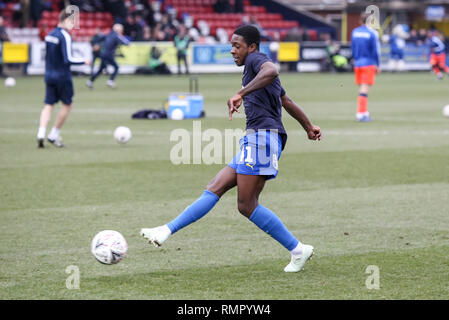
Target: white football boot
[[90, 84], [111, 84], [298, 261], [57, 142], [156, 236]]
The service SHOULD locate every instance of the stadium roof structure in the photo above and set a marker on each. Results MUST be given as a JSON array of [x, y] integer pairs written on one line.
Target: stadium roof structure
[[315, 5], [307, 19], [335, 5]]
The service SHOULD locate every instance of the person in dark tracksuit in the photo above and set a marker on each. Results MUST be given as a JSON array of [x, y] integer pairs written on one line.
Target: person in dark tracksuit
[[110, 43], [58, 78]]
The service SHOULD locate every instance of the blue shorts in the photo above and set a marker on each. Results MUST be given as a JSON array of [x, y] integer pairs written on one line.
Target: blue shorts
[[259, 153], [397, 55], [58, 90]]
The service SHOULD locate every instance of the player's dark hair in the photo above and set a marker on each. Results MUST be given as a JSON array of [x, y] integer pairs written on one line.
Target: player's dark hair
[[364, 16], [250, 34], [64, 14]]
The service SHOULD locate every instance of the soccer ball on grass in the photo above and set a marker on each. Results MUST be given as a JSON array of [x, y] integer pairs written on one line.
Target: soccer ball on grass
[[122, 134], [446, 111], [10, 82], [109, 247]]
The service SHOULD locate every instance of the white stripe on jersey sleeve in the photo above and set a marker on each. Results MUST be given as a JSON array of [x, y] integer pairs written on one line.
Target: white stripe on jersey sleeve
[[438, 42], [52, 39], [68, 42]]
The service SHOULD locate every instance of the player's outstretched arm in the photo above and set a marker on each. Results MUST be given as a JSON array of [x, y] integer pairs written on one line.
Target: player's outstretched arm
[[267, 73], [313, 132]]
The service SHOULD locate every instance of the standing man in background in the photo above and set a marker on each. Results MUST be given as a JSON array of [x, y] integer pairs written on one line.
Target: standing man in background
[[58, 78], [3, 38], [3, 35], [181, 41], [366, 54], [111, 42]]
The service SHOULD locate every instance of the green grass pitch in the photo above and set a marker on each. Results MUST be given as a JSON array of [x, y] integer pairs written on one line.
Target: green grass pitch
[[367, 194]]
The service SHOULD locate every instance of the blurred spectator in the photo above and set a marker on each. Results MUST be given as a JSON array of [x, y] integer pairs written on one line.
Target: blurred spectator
[[155, 65], [147, 35], [181, 42], [132, 29], [25, 8], [83, 5], [97, 5], [3, 35], [238, 6], [117, 9], [194, 34], [276, 36], [253, 21], [17, 14], [245, 21], [326, 37], [158, 34], [36, 7], [296, 34], [149, 14], [413, 37], [336, 61], [46, 5], [138, 18], [222, 6], [167, 27], [422, 36]]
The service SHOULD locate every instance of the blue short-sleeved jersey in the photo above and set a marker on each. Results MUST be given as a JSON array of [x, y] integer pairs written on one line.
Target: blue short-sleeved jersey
[[365, 47], [436, 45], [58, 56], [263, 107]]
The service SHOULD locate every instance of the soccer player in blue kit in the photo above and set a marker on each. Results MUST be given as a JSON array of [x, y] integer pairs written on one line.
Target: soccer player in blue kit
[[58, 78], [260, 149]]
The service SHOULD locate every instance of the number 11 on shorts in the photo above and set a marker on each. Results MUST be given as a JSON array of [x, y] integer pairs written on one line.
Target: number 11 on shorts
[[248, 158]]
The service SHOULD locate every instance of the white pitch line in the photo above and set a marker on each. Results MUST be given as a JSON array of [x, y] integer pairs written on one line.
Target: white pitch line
[[79, 132], [318, 116], [386, 119]]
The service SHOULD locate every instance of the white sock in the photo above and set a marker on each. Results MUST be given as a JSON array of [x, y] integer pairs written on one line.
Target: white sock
[[54, 134], [360, 115], [298, 250], [41, 132], [165, 228]]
